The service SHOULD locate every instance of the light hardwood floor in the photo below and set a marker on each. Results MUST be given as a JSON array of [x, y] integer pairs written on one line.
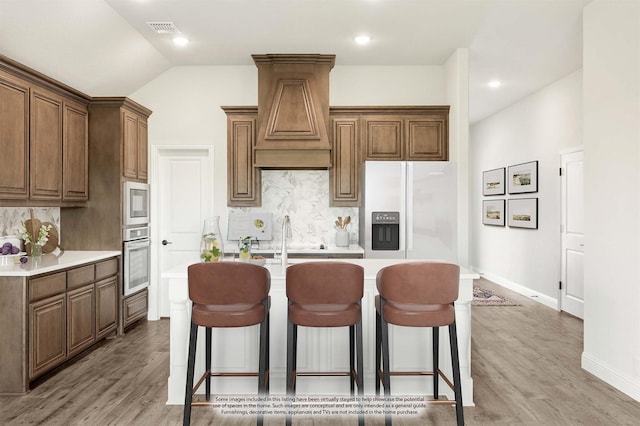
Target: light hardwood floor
[[525, 367]]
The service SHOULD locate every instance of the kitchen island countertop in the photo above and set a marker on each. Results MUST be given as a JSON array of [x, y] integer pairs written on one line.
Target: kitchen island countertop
[[52, 262]]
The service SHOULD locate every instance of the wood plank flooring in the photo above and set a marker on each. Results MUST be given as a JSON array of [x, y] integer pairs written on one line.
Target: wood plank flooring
[[525, 367]]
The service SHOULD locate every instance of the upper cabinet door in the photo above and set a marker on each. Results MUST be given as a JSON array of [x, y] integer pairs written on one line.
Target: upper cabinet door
[[75, 151], [14, 138], [243, 179], [45, 152], [130, 145], [427, 138], [134, 145], [344, 176], [382, 137], [142, 149]]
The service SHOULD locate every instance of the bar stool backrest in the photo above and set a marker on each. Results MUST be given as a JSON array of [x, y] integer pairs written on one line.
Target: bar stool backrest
[[329, 282], [426, 283], [228, 283]]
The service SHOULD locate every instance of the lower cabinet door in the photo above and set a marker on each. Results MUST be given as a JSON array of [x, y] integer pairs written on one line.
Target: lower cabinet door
[[106, 306], [80, 319], [47, 340], [135, 307]]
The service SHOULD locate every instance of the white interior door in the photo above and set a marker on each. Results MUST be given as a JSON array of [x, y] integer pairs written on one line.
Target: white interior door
[[572, 292], [185, 198]]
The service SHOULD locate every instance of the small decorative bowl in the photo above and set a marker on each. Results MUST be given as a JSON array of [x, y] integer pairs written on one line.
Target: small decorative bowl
[[260, 262]]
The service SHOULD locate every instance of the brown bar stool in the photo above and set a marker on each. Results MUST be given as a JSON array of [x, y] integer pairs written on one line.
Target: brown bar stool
[[325, 294], [418, 294], [227, 294]]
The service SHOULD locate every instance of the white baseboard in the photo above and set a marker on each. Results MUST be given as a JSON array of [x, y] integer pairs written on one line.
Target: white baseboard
[[548, 301], [601, 370]]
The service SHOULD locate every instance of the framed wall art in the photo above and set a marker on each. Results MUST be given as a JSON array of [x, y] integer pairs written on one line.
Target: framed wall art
[[523, 178], [493, 212], [493, 182], [523, 213]]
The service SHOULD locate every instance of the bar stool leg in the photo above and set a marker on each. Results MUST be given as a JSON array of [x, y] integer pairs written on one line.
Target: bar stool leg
[[455, 361], [352, 360], [262, 367], [262, 363], [386, 377], [191, 362], [291, 349], [435, 336], [267, 354], [360, 371], [207, 366], [378, 367]]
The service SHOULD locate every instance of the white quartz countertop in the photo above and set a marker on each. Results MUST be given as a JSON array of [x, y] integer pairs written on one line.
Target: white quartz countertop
[[371, 267], [52, 262], [353, 249]]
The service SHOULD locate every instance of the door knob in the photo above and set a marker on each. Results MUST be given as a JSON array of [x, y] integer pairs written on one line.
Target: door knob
[[165, 242]]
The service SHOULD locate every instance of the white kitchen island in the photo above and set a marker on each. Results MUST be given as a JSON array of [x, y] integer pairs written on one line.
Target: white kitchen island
[[236, 349]]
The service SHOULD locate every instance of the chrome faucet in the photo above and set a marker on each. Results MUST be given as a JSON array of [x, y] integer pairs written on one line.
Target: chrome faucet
[[286, 233]]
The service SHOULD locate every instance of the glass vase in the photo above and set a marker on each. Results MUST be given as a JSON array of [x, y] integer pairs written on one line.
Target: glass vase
[[244, 249], [35, 250], [211, 246]]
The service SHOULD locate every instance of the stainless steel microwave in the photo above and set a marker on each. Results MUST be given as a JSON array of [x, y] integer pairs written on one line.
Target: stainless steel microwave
[[135, 203]]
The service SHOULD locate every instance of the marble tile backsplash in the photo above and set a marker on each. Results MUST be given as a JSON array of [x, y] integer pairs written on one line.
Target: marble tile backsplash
[[11, 218], [304, 196]]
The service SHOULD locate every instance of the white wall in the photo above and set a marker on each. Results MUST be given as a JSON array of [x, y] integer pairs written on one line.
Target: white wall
[[537, 127], [612, 205]]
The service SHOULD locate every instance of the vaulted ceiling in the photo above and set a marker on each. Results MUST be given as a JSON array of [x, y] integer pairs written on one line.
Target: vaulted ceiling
[[106, 47]]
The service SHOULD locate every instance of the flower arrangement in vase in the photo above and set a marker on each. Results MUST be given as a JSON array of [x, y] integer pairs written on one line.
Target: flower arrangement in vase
[[245, 249]]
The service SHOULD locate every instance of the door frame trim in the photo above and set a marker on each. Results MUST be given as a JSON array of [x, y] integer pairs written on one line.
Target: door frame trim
[[156, 153]]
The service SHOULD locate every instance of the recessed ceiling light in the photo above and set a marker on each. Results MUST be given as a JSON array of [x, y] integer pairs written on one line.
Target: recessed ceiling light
[[494, 84], [362, 39], [180, 41]]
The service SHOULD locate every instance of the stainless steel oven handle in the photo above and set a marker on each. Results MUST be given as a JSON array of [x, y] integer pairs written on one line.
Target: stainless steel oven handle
[[132, 245]]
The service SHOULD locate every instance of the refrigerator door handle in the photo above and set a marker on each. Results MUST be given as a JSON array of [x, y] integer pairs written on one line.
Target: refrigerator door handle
[[409, 203]]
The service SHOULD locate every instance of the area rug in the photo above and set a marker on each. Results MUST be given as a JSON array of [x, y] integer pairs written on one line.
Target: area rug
[[485, 297]]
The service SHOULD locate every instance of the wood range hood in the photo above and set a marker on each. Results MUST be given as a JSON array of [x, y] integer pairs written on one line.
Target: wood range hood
[[293, 111]]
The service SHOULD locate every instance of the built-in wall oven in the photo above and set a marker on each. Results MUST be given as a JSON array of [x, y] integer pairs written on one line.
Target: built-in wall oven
[[136, 253]]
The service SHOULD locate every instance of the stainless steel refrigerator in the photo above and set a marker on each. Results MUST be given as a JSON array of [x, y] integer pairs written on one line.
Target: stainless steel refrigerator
[[409, 210]]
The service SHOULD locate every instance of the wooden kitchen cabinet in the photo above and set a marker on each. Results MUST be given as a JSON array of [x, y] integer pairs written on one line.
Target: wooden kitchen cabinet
[[344, 175], [409, 133], [106, 307], [243, 179], [44, 133], [69, 311], [47, 319], [75, 152], [382, 137], [81, 330], [135, 307], [427, 139], [45, 151], [47, 334], [134, 145], [14, 138], [406, 133]]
